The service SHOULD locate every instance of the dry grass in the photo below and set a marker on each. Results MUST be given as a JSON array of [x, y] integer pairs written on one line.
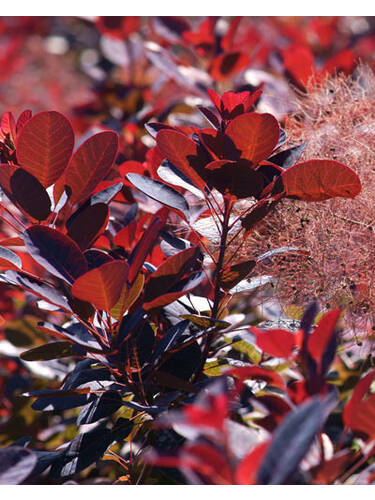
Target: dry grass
[[337, 121]]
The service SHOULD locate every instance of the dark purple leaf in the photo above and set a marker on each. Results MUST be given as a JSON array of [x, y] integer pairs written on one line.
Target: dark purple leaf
[[88, 224], [154, 128], [56, 252], [36, 286], [210, 116], [84, 450], [76, 333], [106, 195], [96, 258], [103, 406], [16, 464], [30, 195], [52, 350], [160, 192], [169, 339], [290, 443], [289, 157]]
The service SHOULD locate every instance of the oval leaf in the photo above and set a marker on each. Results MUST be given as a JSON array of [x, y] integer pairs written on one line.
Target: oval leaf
[[56, 252], [53, 350], [102, 286], [160, 192], [30, 195], [96, 258], [255, 135], [180, 150], [88, 224], [318, 180], [45, 146], [90, 164], [23, 119], [8, 125]]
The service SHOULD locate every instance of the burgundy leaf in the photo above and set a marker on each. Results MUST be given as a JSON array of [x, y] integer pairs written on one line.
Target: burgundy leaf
[[90, 164], [45, 145], [102, 286], [30, 195], [318, 180], [255, 135]]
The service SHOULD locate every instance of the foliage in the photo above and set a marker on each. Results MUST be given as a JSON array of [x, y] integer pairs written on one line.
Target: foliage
[[140, 355]]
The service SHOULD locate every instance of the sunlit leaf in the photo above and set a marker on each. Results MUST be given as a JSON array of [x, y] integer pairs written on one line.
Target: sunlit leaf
[[318, 180], [102, 285], [45, 145]]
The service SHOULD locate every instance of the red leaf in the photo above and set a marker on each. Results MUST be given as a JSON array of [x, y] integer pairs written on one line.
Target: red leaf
[[210, 463], [125, 238], [9, 259], [255, 135], [102, 286], [215, 99], [246, 472], [256, 372], [134, 167], [170, 272], [328, 471], [12, 242], [146, 243], [364, 420], [118, 26], [203, 38], [212, 414], [45, 145], [320, 337], [299, 64], [279, 343], [232, 104], [359, 414], [318, 180], [180, 150], [8, 125], [342, 61], [227, 40], [225, 65], [90, 164], [23, 119]]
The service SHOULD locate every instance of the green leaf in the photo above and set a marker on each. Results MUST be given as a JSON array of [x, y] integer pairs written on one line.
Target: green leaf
[[249, 350], [205, 321]]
